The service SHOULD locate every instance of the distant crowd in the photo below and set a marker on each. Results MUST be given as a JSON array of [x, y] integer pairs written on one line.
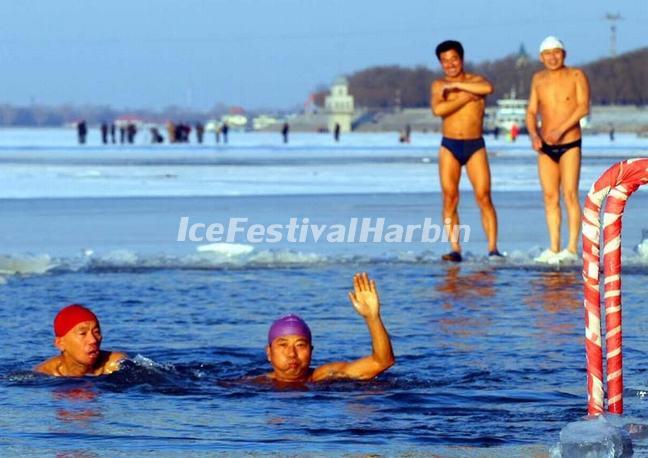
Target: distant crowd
[[175, 132], [126, 132]]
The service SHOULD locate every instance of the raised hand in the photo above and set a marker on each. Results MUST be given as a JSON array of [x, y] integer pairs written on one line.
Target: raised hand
[[365, 296]]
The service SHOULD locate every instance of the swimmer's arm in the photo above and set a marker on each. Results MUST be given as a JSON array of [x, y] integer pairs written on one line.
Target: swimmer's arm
[[582, 105], [442, 107], [367, 303], [365, 368], [532, 116]]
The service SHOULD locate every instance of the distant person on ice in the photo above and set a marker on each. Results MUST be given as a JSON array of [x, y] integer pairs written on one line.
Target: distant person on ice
[[82, 132], [104, 133], [515, 131], [225, 131], [336, 132], [131, 131], [290, 346], [200, 132], [459, 99], [560, 98], [284, 132]]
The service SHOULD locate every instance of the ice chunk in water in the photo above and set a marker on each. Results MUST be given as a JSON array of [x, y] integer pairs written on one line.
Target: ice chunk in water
[[593, 437], [642, 248]]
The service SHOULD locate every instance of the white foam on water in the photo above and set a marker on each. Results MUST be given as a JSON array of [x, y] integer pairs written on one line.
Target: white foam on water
[[25, 265], [237, 255], [122, 258], [148, 363], [227, 249], [245, 256], [287, 258]]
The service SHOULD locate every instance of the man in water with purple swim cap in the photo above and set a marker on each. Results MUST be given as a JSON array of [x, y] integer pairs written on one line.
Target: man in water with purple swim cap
[[289, 347]]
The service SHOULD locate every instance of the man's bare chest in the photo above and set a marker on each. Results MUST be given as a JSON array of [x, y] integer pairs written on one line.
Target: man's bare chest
[[558, 92]]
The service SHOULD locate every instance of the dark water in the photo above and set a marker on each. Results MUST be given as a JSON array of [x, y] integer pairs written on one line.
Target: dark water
[[486, 357]]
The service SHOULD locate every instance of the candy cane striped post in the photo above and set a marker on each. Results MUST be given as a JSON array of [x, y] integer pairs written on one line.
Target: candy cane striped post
[[617, 184]]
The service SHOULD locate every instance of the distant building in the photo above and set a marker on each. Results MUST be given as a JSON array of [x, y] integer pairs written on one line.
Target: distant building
[[310, 107], [339, 106], [235, 121], [522, 59], [511, 111], [263, 121]]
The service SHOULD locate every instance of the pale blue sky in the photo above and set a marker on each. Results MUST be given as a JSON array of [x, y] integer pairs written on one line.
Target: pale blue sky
[[268, 53]]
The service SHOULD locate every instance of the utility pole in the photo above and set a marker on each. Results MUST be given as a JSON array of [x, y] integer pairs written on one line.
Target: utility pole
[[612, 19]]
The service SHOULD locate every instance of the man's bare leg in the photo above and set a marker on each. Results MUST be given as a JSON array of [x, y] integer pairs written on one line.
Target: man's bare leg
[[570, 166], [449, 176], [479, 174], [549, 173]]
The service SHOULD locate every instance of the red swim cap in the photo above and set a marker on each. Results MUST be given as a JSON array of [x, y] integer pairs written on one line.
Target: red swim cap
[[68, 317]]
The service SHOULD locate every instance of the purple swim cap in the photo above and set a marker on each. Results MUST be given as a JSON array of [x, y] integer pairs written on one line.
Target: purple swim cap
[[289, 325]]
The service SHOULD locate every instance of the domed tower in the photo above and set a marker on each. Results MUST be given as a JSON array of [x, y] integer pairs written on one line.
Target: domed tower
[[339, 105]]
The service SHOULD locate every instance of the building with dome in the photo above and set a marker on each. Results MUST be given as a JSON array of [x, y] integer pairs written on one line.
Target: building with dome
[[339, 105]]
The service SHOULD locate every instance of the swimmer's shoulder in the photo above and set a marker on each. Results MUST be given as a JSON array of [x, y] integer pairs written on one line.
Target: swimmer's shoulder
[[263, 377], [49, 367], [258, 379], [270, 377], [117, 356], [112, 361]]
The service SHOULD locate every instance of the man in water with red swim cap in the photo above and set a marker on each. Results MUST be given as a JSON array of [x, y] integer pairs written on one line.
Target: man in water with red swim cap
[[289, 347], [78, 338]]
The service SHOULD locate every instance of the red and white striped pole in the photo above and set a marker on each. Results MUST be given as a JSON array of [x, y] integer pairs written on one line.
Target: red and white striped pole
[[617, 183]]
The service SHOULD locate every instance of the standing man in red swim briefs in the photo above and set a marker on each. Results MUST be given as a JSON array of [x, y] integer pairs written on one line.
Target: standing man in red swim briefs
[[560, 97], [459, 99], [78, 338]]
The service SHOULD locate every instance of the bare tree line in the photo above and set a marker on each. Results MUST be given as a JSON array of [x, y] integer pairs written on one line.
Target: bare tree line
[[622, 80]]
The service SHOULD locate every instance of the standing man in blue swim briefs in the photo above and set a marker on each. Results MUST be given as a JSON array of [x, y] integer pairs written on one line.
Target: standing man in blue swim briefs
[[290, 349], [459, 99], [560, 97]]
